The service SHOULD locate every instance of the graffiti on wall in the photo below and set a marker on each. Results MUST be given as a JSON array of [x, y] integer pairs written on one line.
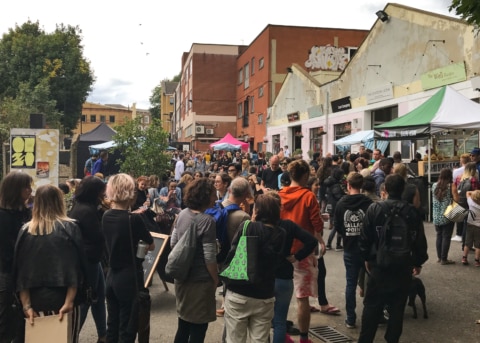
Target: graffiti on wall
[[327, 58]]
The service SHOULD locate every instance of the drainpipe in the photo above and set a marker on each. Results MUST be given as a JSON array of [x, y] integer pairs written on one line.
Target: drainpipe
[[326, 123]]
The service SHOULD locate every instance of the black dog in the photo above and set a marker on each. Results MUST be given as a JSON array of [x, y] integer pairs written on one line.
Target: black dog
[[417, 288]]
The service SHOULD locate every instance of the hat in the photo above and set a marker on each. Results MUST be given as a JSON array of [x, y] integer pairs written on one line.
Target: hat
[[475, 151]]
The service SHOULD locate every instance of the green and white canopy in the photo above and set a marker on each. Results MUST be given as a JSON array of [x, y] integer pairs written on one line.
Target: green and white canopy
[[446, 109]]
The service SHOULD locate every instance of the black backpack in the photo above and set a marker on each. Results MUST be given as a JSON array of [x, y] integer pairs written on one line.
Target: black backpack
[[395, 237]]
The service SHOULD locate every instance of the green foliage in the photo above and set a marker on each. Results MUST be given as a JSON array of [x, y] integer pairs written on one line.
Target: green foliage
[[468, 10], [31, 58], [143, 150], [15, 112], [155, 101]]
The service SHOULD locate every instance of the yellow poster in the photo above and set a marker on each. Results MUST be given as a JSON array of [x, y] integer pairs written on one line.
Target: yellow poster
[[35, 152], [23, 152]]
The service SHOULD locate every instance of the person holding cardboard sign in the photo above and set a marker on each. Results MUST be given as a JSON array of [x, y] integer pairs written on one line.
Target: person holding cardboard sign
[[48, 263]]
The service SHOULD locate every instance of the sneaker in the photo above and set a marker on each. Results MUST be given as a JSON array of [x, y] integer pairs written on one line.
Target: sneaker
[[350, 326], [445, 262], [464, 260], [339, 248], [457, 238], [288, 339], [328, 247], [477, 263]]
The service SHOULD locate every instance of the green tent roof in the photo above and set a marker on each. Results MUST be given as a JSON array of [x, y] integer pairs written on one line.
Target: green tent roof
[[420, 116]]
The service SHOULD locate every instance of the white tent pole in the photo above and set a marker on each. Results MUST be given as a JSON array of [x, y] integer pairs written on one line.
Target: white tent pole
[[429, 178]]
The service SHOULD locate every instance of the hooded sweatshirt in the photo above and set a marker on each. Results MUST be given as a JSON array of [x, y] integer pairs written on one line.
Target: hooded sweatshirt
[[300, 205], [349, 215]]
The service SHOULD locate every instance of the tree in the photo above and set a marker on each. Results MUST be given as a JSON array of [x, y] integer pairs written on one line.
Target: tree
[[155, 98], [144, 151], [155, 101], [468, 10], [30, 57]]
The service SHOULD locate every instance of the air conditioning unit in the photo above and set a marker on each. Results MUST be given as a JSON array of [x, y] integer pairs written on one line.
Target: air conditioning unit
[[200, 129], [209, 131]]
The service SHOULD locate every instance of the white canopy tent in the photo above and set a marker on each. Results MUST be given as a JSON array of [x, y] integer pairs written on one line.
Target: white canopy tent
[[365, 137]]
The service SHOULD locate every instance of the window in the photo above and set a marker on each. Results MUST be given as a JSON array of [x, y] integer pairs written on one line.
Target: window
[[260, 64], [240, 76], [93, 118], [102, 119], [316, 138], [146, 119], [112, 119], [260, 118], [245, 113], [240, 110], [247, 76], [260, 92], [171, 100], [253, 66], [84, 118], [252, 104]]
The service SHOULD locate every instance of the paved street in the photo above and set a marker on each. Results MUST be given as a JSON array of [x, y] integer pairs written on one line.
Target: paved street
[[452, 301]]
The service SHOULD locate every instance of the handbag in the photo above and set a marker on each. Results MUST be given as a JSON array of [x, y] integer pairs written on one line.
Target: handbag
[[181, 257], [455, 212], [48, 329], [142, 303], [242, 267]]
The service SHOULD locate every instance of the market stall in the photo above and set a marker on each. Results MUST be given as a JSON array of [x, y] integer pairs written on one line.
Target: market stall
[[447, 116]]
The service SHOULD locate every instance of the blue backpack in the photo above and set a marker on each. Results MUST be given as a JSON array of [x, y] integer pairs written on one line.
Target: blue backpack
[[220, 215]]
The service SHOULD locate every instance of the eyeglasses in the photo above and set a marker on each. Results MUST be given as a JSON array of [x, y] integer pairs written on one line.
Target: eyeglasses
[[232, 170], [284, 164]]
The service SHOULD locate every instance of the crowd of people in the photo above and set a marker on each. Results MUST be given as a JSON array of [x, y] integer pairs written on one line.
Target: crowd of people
[[91, 229]]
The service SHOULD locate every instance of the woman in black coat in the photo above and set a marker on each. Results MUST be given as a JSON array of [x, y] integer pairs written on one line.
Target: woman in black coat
[[15, 190], [88, 197]]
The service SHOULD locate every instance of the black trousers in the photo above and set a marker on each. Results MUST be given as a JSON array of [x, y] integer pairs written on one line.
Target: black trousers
[[120, 295], [385, 289], [190, 333]]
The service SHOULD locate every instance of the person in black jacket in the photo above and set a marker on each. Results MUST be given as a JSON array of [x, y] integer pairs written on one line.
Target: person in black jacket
[[349, 214], [123, 231], [88, 196], [389, 286], [249, 307], [15, 190], [335, 191]]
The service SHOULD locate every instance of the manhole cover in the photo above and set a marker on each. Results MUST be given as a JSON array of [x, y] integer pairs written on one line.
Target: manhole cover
[[329, 335]]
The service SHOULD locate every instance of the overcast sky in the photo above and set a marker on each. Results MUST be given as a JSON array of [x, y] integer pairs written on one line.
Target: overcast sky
[[134, 45]]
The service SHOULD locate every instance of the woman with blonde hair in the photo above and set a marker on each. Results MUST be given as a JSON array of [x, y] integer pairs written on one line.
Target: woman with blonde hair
[[123, 231], [49, 260], [15, 190], [245, 167]]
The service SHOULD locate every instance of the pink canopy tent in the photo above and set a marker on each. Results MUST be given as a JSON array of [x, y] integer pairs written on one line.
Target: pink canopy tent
[[229, 143]]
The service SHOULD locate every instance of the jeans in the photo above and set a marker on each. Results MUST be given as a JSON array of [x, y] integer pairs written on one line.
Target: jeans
[[444, 235], [283, 296], [99, 312], [190, 332], [353, 264]]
